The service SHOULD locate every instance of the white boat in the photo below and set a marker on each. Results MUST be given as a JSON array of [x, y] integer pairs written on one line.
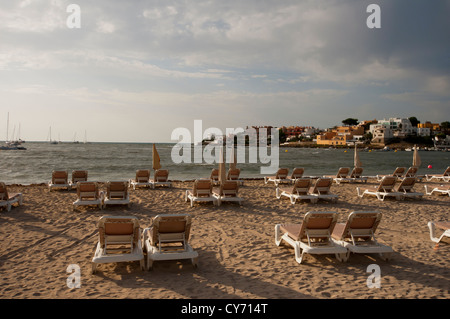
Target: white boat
[[13, 144]]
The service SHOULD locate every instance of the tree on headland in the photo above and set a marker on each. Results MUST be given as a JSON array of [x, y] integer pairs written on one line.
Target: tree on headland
[[414, 121], [445, 125], [350, 121]]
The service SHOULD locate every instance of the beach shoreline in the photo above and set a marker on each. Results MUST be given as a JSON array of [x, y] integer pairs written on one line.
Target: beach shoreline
[[238, 258]]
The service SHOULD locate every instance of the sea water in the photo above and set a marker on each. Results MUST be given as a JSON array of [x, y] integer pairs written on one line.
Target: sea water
[[119, 161]]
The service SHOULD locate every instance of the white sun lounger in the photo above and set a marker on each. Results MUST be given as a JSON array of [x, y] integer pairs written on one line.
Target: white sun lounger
[[440, 190], [9, 199], [444, 226], [444, 177], [168, 239], [299, 191], [311, 236], [228, 191], [358, 234], [386, 188], [201, 192], [119, 241], [88, 194]]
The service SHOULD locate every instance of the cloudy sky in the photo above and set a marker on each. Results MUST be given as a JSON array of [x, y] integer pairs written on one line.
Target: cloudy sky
[[136, 70]]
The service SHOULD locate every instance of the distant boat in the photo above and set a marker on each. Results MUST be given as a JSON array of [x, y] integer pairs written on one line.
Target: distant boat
[[50, 137], [11, 145]]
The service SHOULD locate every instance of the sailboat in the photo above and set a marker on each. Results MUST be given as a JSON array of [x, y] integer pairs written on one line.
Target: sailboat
[[50, 137], [11, 145]]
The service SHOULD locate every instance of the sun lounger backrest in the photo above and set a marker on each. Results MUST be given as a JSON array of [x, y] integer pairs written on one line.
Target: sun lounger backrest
[[282, 173], [297, 172], [318, 225], [202, 188], [161, 175], [167, 224], [59, 177], [233, 174], [447, 172], [412, 171], [343, 172], [407, 184], [356, 172], [322, 185], [142, 175], [301, 186], [229, 189], [117, 190], [387, 184], [79, 176], [3, 191], [214, 174], [399, 171], [87, 190], [118, 229], [360, 225]]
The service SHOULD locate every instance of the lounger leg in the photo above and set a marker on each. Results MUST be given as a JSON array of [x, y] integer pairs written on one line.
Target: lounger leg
[[142, 264], [277, 235], [8, 207], [299, 254], [277, 193], [342, 257], [94, 268], [195, 262], [358, 191]]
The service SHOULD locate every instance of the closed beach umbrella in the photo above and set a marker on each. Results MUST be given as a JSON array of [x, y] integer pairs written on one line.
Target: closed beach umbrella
[[222, 173], [156, 159], [357, 162], [416, 157], [233, 159]]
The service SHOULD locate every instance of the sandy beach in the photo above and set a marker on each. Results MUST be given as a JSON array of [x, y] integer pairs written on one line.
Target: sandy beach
[[238, 258]]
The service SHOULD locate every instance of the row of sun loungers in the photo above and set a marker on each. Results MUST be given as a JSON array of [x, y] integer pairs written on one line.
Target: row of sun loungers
[[60, 179], [121, 239], [319, 233], [203, 191]]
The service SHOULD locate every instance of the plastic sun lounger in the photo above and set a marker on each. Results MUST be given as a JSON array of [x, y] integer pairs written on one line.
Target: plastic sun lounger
[[442, 190], [297, 172], [311, 236], [444, 177], [322, 189], [356, 175], [299, 191], [78, 176], [358, 234], [9, 199], [233, 175], [411, 172], [341, 175], [406, 187], [228, 191], [161, 178], [168, 239], [280, 177], [142, 179], [117, 194], [397, 173], [88, 194], [201, 192], [60, 179], [386, 188], [214, 177], [119, 241], [443, 226]]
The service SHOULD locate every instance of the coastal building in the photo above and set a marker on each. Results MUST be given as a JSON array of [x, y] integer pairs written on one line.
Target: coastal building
[[341, 135], [381, 134], [400, 127]]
